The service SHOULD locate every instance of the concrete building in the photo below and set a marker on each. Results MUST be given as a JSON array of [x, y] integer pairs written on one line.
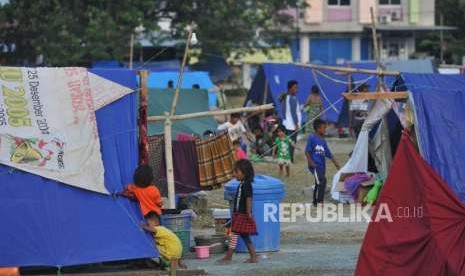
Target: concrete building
[[333, 31]]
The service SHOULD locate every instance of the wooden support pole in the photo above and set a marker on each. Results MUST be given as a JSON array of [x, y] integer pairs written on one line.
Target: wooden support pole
[[223, 98], [380, 80], [131, 51], [375, 95], [351, 70], [181, 72], [169, 162], [211, 113], [168, 121]]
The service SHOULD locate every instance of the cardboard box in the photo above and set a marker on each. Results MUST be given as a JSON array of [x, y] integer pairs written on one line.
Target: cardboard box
[[341, 186], [362, 192]]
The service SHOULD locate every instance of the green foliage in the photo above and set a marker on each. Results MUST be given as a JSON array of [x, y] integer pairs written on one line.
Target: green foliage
[[75, 32], [454, 41]]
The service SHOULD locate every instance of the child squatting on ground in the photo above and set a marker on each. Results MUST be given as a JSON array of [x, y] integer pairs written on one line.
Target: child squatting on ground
[[243, 222], [168, 244], [282, 150], [317, 151]]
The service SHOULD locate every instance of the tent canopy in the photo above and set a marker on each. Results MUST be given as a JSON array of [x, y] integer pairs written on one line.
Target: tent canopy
[[440, 128], [159, 80], [274, 77], [190, 101], [46, 223]]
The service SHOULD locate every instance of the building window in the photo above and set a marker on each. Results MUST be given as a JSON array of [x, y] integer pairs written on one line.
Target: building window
[[338, 2], [389, 2]]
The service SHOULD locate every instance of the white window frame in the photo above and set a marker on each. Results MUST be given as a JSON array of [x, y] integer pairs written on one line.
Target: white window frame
[[389, 3], [339, 4]]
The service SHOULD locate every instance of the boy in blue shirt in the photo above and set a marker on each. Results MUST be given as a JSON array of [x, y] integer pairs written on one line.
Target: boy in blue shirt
[[317, 151]]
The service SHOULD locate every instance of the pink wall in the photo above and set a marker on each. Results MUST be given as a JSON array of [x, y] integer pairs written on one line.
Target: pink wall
[[365, 5], [336, 14], [314, 12]]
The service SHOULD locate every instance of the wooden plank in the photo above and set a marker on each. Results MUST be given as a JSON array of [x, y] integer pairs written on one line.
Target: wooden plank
[[375, 95], [351, 70], [212, 113]]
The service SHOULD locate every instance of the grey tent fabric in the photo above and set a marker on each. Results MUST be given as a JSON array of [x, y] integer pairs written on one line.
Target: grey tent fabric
[[380, 148]]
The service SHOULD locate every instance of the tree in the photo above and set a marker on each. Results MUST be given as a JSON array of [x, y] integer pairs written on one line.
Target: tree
[[454, 42], [75, 32]]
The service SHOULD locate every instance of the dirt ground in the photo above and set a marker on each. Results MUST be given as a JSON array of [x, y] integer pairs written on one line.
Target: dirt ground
[[323, 248]]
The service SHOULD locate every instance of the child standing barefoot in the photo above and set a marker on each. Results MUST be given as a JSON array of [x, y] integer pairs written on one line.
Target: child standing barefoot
[[282, 150], [243, 222]]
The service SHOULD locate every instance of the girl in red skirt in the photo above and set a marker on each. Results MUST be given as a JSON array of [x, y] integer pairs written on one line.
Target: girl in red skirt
[[243, 222]]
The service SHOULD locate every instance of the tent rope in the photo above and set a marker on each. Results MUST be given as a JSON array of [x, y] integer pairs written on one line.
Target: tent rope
[[310, 121], [323, 92], [340, 81]]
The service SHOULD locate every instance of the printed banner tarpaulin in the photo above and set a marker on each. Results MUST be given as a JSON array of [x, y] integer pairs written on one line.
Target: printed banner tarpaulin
[[48, 124]]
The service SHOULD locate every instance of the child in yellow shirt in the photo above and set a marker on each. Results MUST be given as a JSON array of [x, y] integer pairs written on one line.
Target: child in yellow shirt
[[168, 244]]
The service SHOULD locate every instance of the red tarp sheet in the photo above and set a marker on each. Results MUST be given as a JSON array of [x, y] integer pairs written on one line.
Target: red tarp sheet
[[427, 232]]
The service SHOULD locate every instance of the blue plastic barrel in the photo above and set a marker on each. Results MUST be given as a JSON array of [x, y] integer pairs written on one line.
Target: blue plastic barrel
[[266, 189], [180, 224]]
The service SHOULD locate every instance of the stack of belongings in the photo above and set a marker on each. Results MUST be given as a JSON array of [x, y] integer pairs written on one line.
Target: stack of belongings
[[356, 185], [199, 163]]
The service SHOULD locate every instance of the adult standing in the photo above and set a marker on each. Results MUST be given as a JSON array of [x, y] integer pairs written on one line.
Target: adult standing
[[313, 108], [359, 111], [292, 115]]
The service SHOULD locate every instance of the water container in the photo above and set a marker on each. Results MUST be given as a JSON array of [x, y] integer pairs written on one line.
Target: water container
[[266, 189], [180, 224]]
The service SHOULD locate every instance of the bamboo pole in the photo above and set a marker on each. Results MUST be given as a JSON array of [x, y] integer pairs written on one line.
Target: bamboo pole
[[375, 95], [183, 65], [211, 113], [351, 70], [169, 162], [380, 80], [223, 98], [168, 125], [131, 51]]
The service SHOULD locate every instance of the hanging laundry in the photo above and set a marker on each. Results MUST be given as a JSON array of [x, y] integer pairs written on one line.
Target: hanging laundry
[[216, 159], [156, 145], [186, 173], [185, 137], [143, 126]]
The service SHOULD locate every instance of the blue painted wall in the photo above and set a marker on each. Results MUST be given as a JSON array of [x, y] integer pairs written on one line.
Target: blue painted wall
[[295, 49], [329, 50], [365, 49]]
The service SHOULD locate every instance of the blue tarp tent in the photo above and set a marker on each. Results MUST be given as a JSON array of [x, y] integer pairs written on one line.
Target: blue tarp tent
[[45, 223], [439, 102], [161, 79], [274, 77]]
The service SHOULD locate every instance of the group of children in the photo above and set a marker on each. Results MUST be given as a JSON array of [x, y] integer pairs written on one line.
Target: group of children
[[148, 195], [242, 223], [169, 245], [281, 147]]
